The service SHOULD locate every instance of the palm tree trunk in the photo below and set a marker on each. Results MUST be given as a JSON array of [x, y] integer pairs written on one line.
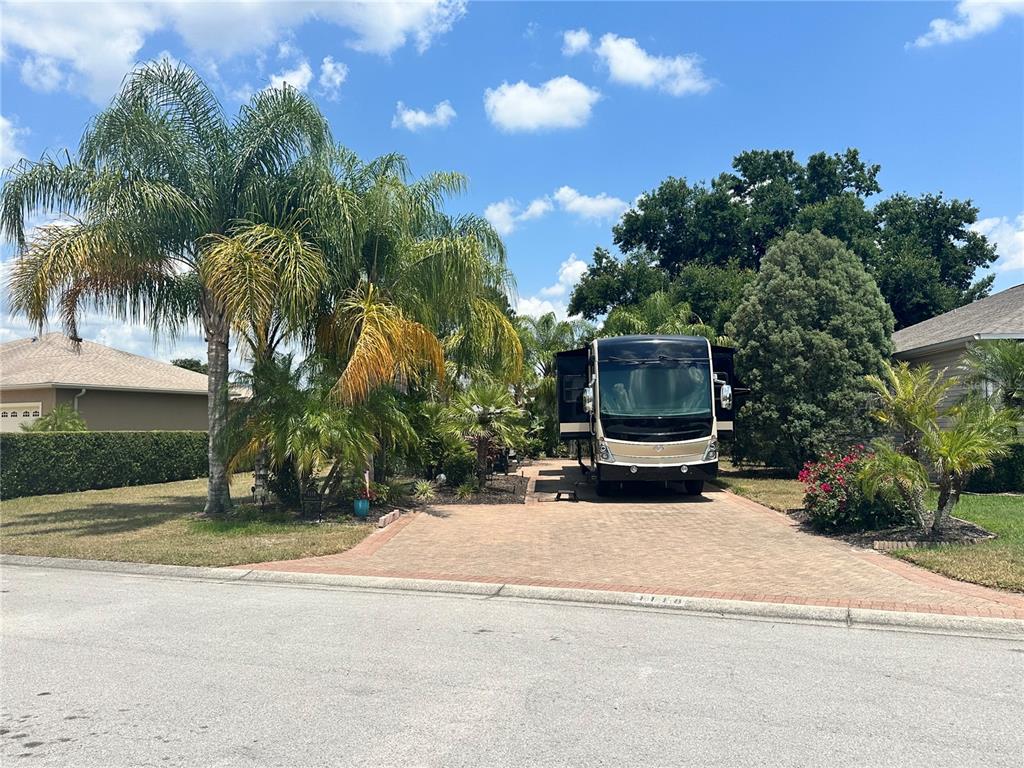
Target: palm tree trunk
[[949, 495], [482, 449], [218, 491]]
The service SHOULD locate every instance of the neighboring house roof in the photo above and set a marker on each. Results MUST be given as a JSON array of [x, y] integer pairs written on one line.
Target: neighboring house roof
[[51, 360], [1000, 316]]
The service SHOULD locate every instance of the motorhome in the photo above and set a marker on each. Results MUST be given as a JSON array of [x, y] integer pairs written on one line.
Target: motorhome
[[647, 408]]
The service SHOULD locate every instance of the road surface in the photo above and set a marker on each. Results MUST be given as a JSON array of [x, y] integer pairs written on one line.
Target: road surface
[[110, 669]]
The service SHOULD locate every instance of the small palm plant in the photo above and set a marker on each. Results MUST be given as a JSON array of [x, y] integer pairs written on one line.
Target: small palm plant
[[487, 416], [1000, 365], [63, 418], [976, 433]]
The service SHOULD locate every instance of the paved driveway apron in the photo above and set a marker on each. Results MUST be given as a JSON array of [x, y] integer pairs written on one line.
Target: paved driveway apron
[[719, 545]]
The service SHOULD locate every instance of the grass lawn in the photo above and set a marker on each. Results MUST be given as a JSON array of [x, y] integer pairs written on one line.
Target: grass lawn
[[995, 563], [157, 524], [768, 488]]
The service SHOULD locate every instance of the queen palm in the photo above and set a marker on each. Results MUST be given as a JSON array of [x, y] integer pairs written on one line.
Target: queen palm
[[161, 176], [658, 313]]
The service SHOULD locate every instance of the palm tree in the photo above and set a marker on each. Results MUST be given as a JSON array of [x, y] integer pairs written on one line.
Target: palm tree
[[486, 415], [1000, 365], [542, 338], [909, 399], [63, 418], [161, 177], [976, 433], [659, 314], [292, 419]]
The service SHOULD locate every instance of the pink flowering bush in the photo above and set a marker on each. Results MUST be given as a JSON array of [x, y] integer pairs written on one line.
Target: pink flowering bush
[[833, 498]]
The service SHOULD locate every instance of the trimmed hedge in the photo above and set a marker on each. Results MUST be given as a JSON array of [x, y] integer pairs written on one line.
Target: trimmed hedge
[[1006, 474], [33, 463]]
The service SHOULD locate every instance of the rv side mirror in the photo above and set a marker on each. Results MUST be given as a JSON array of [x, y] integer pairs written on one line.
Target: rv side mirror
[[588, 399], [726, 396]]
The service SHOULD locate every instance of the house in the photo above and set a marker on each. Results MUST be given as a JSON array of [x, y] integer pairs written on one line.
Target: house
[[111, 389], [942, 340]]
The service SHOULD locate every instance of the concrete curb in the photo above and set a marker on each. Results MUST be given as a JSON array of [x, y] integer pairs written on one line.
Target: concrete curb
[[849, 617]]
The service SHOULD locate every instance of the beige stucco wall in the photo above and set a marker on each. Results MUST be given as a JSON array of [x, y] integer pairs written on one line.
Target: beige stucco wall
[[107, 410]]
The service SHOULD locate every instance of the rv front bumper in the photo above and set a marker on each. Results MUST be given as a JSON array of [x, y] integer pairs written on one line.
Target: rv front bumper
[[623, 473]]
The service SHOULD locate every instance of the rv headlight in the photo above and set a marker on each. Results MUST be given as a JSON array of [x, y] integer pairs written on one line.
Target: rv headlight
[[602, 449], [711, 452]]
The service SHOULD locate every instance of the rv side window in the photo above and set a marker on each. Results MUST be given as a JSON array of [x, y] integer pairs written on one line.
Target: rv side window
[[572, 388]]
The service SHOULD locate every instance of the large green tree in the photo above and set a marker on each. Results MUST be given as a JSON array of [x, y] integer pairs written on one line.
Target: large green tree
[[921, 250], [159, 175], [928, 256], [812, 326]]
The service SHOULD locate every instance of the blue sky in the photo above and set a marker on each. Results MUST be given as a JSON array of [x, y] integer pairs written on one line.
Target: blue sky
[[559, 132]]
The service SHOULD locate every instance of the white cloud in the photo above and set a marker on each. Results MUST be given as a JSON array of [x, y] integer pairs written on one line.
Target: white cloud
[[600, 206], [535, 306], [559, 103], [575, 41], [552, 298], [569, 273], [1008, 235], [332, 75], [973, 17], [41, 73], [415, 119], [505, 215], [98, 42], [11, 149], [384, 27], [630, 64], [297, 77], [94, 45]]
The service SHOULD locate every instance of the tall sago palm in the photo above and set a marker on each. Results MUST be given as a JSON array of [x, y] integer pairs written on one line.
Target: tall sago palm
[[161, 176]]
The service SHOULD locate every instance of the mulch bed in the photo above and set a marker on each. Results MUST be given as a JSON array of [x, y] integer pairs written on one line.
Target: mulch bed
[[500, 489], [956, 531]]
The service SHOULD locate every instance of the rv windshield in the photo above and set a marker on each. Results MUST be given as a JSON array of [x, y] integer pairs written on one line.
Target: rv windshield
[[660, 387]]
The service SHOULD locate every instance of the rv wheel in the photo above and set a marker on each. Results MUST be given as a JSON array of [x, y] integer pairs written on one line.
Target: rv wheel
[[694, 487]]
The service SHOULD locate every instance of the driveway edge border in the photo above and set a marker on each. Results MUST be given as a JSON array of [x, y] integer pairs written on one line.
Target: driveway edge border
[[850, 617]]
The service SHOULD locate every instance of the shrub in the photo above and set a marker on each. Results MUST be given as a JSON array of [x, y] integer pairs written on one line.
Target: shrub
[[834, 499], [812, 325], [1005, 475], [423, 490], [284, 484], [459, 465], [34, 463], [465, 491]]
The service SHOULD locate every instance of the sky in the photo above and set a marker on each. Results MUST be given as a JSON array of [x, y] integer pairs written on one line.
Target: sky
[[561, 114]]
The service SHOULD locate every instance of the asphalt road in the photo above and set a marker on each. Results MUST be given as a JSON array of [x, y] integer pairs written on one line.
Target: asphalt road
[[109, 669]]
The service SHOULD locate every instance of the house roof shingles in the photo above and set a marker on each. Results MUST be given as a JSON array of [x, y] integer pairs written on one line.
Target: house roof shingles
[[998, 316], [51, 360]]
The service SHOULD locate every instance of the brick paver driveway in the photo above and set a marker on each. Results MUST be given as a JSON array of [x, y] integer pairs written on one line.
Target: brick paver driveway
[[720, 545]]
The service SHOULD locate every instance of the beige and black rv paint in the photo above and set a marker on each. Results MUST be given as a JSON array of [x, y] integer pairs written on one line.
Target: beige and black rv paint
[[648, 408]]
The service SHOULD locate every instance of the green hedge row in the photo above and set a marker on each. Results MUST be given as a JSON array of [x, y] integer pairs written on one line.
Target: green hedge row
[[32, 463], [1006, 474]]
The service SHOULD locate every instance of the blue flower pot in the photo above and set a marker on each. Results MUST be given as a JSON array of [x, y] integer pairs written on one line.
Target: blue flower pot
[[361, 507]]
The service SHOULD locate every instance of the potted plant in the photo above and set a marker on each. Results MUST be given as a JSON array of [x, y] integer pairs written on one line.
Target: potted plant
[[361, 503]]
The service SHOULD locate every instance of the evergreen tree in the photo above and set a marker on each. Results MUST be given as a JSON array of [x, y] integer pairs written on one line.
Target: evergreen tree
[[811, 327]]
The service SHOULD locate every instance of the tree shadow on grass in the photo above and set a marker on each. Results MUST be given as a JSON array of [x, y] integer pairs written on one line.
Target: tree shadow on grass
[[105, 518]]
